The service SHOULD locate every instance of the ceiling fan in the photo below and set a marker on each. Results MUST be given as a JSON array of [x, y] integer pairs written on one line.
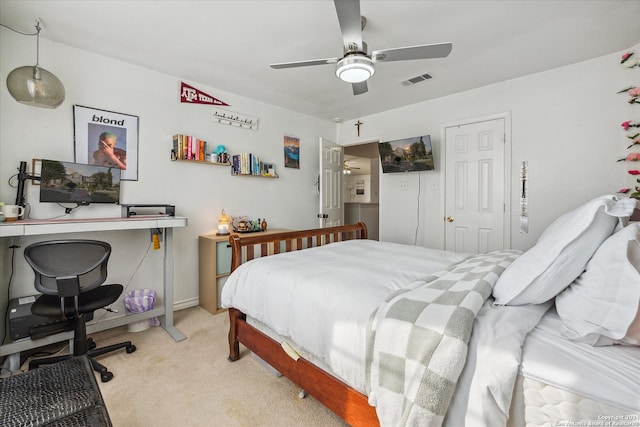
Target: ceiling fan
[[356, 65], [347, 169]]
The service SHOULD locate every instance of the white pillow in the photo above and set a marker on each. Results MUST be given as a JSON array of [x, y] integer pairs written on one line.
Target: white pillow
[[601, 306], [559, 256]]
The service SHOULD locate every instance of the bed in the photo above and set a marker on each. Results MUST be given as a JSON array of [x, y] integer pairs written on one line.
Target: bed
[[286, 310]]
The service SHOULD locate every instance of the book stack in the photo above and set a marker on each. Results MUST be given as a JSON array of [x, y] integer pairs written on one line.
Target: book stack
[[246, 164], [187, 147]]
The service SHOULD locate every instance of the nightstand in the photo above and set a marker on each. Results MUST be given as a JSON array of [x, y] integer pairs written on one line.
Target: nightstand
[[214, 260]]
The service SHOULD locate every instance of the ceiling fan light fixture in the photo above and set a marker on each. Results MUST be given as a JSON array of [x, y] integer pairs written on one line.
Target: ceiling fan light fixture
[[355, 69]]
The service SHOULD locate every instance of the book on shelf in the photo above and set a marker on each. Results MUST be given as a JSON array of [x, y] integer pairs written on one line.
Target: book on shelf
[[177, 145], [188, 147], [247, 164]]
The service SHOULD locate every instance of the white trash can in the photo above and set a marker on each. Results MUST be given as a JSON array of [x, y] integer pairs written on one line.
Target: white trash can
[[139, 301]]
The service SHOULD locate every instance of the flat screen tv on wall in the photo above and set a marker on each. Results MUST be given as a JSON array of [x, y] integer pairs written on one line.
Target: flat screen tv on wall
[[67, 182], [407, 155]]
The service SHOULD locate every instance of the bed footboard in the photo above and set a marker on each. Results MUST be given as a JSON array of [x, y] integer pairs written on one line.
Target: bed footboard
[[345, 401], [249, 246], [348, 403]]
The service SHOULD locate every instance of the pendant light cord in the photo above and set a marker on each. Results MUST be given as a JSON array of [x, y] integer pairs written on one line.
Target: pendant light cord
[[20, 32], [37, 44], [37, 34]]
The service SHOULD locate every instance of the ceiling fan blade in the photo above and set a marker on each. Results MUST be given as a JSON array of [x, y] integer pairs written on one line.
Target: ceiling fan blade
[[359, 88], [305, 63], [425, 51], [350, 22]]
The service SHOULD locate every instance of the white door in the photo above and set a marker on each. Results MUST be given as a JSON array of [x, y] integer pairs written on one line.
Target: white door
[[330, 184], [475, 195]]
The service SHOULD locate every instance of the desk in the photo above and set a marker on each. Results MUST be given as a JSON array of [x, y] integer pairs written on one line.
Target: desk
[[45, 227]]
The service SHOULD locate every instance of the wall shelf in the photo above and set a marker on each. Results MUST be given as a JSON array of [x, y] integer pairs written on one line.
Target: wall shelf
[[255, 176], [201, 162], [242, 162]]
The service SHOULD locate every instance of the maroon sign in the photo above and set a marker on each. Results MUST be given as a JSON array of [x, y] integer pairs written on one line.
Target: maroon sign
[[191, 95]]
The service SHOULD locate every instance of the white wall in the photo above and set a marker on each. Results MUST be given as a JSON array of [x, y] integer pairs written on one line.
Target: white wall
[[565, 123], [351, 183], [199, 192]]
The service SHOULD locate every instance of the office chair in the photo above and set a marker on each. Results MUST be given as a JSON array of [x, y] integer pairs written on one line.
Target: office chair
[[69, 274]]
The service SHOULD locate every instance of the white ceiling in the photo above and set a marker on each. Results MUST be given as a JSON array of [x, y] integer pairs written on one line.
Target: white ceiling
[[357, 165], [229, 44]]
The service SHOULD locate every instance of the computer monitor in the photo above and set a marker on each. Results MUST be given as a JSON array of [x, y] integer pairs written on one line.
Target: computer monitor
[[66, 182]]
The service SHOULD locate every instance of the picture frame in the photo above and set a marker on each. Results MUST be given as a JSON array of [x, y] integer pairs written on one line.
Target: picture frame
[[106, 138], [36, 167], [291, 151]]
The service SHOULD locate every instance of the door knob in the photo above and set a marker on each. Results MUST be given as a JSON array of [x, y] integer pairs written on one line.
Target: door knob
[[449, 219]]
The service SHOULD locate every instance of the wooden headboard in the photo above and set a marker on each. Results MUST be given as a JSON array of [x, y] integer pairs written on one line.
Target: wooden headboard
[[249, 246]]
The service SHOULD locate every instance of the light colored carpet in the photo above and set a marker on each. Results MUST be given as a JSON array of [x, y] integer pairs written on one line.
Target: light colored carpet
[[191, 383]]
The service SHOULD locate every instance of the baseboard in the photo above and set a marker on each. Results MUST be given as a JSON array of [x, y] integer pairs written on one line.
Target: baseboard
[[186, 304]]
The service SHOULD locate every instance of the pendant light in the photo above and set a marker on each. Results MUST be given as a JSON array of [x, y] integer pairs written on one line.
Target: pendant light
[[35, 86]]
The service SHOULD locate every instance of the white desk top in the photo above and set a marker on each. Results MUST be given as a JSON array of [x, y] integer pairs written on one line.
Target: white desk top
[[32, 227]]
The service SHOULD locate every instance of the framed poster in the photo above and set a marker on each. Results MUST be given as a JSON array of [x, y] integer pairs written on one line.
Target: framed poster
[[106, 138], [291, 152]]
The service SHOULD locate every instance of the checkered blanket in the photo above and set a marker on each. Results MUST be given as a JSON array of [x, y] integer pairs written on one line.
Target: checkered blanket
[[417, 340]]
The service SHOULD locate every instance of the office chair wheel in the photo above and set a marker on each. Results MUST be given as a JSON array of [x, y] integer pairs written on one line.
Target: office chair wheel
[[106, 376], [91, 343], [131, 348]]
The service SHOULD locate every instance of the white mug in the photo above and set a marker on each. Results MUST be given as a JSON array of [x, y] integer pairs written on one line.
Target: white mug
[[12, 212]]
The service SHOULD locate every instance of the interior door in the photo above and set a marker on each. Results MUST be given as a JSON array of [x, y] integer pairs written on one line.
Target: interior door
[[475, 206], [330, 183]]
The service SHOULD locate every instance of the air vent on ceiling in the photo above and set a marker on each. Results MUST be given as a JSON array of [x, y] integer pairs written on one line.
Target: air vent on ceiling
[[417, 79]]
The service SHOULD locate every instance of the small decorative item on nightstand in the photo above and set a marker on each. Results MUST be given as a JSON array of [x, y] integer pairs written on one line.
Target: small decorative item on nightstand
[[223, 224], [264, 224]]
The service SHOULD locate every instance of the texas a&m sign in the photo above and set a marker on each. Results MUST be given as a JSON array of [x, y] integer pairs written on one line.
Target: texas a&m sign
[[191, 95]]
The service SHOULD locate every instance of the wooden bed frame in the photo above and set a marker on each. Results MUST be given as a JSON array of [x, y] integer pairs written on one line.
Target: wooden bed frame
[[345, 401]]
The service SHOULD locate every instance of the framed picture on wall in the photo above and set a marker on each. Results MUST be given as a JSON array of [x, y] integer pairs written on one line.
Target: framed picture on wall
[[291, 152], [106, 138]]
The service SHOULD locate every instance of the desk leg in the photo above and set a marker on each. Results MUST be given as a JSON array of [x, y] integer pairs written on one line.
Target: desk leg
[[167, 319]]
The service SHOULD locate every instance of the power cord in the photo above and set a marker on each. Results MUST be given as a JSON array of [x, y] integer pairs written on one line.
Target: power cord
[[13, 246], [67, 210], [415, 239], [128, 283]]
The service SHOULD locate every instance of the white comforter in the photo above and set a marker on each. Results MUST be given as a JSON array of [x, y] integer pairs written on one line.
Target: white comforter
[[485, 387], [331, 290], [317, 290]]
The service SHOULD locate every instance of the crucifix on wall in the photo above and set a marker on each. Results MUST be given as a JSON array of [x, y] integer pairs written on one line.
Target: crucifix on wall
[[357, 125]]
